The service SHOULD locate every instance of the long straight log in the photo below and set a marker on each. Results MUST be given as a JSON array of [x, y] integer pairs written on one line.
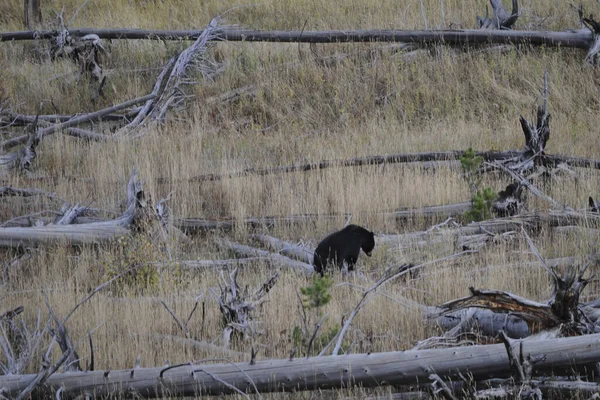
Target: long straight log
[[579, 39], [366, 370], [387, 159], [357, 162], [72, 234]]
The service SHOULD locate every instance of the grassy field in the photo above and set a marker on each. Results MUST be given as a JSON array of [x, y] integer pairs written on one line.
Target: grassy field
[[371, 101]]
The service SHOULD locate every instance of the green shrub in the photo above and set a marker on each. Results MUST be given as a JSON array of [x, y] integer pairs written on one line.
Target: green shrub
[[470, 164], [483, 202], [131, 251]]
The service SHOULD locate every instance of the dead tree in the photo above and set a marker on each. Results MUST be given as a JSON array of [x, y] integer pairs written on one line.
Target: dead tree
[[139, 217], [411, 367], [179, 75], [22, 159], [18, 341], [509, 201], [84, 50], [562, 311], [594, 27], [236, 305], [32, 13], [536, 137], [501, 19]]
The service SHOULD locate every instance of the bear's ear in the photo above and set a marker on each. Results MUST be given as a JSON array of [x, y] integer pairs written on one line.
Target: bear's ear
[[592, 204]]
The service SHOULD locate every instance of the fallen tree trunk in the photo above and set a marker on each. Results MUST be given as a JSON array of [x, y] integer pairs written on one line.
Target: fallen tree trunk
[[248, 251], [78, 234], [550, 218], [579, 39], [291, 250], [356, 162], [367, 370], [8, 144], [388, 159]]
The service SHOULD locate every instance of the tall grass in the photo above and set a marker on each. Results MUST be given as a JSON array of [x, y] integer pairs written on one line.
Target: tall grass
[[308, 105]]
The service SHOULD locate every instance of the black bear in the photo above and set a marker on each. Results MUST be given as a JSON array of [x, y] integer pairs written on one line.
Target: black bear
[[343, 246]]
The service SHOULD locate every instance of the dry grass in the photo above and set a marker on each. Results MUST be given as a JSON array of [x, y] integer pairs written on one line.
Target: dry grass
[[372, 102]]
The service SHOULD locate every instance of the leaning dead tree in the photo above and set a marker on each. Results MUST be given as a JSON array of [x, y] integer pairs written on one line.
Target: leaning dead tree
[[298, 374], [179, 74], [501, 19], [138, 217]]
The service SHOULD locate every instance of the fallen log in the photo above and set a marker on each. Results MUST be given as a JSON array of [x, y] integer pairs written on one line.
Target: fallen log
[[388, 159], [356, 162], [8, 144], [80, 234], [327, 372], [13, 119], [579, 39], [248, 251], [8, 191], [291, 250], [197, 225]]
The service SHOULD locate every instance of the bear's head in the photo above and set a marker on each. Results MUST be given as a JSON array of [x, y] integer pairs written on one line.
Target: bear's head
[[368, 243]]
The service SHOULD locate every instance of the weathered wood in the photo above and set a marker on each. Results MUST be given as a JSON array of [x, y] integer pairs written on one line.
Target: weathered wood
[[248, 251], [21, 159], [14, 119], [8, 191], [367, 370], [291, 250], [579, 39], [356, 162], [501, 19], [78, 234], [8, 144]]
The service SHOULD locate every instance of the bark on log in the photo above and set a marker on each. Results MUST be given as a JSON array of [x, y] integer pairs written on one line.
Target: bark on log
[[579, 39], [367, 370]]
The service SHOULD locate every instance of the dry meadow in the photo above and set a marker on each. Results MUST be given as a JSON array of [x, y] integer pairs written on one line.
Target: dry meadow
[[310, 104]]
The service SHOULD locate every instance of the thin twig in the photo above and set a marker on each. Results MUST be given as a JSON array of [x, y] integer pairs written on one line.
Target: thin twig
[[314, 335], [179, 323]]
